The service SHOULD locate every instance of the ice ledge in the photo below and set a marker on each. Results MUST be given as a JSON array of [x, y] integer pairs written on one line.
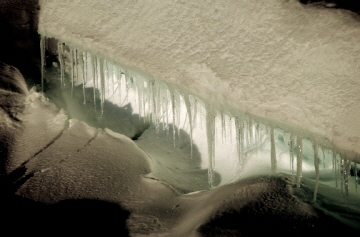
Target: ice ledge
[[278, 60]]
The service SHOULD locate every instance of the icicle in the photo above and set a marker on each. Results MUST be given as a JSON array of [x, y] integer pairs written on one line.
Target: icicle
[[153, 102], [317, 174], [102, 85], [174, 116], [223, 127], [61, 64], [341, 174], [139, 90], [188, 109], [273, 150], [257, 133], [195, 112], [346, 171], [114, 78], [250, 131], [210, 132], [335, 168], [94, 71], [149, 100], [238, 142], [161, 108], [72, 71], [299, 161], [76, 72], [107, 78], [43, 60], [178, 113], [119, 86], [242, 142], [356, 175], [230, 130], [127, 79], [323, 152], [84, 62], [156, 107], [291, 153]]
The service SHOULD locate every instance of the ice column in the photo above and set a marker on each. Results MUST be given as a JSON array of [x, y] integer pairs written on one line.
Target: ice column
[[291, 153], [299, 161], [210, 132], [61, 64], [317, 175], [273, 151]]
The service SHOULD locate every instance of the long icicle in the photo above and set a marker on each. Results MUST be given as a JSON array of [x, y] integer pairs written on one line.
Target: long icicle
[[273, 150], [188, 109], [76, 72], [94, 72], [346, 172], [61, 64], [291, 152], [299, 161], [178, 113], [173, 103], [210, 132], [72, 70], [356, 175], [317, 174], [102, 85], [223, 127], [238, 143], [324, 159], [335, 168], [84, 63]]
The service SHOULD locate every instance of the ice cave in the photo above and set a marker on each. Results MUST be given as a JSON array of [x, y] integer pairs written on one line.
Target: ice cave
[[180, 118]]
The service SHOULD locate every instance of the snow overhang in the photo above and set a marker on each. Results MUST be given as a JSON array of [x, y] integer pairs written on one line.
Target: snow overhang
[[278, 60]]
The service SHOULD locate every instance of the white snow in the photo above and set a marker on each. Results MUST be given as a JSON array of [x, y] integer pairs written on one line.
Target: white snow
[[279, 60]]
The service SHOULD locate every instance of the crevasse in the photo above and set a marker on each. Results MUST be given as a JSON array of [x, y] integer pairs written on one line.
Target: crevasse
[[229, 139]]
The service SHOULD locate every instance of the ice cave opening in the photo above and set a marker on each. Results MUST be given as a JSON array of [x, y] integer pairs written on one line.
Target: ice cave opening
[[215, 144], [173, 155], [193, 145]]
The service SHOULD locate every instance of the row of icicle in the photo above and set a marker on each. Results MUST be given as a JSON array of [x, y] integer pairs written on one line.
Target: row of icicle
[[163, 107]]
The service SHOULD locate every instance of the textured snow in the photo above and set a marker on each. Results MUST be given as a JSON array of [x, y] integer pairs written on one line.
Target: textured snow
[[24, 116], [275, 59]]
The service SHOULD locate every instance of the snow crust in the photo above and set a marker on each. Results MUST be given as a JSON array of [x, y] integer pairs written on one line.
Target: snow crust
[[279, 60]]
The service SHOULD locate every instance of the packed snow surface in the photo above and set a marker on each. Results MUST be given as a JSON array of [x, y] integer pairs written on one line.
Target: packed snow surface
[[275, 59]]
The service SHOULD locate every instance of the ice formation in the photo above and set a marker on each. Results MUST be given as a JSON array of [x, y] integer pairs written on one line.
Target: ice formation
[[278, 60], [228, 138]]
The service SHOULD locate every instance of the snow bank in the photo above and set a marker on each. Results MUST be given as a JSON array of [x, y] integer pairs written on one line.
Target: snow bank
[[275, 59], [25, 117], [86, 163]]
